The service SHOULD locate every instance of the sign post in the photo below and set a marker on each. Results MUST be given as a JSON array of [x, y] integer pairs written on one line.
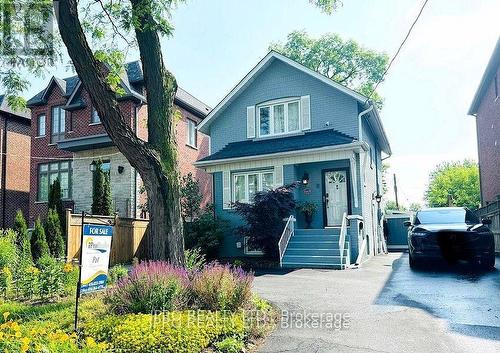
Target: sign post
[[95, 250]]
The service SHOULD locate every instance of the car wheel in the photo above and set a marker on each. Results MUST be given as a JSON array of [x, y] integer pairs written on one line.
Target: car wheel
[[413, 262], [488, 262]]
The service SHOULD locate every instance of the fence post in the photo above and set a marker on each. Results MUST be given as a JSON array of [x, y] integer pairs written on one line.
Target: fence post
[[67, 230]]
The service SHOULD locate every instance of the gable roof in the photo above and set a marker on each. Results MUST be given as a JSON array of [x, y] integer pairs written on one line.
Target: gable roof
[[263, 64], [251, 148], [132, 76], [5, 108], [488, 75]]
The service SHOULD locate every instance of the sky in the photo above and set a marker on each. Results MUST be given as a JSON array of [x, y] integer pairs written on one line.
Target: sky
[[427, 91]]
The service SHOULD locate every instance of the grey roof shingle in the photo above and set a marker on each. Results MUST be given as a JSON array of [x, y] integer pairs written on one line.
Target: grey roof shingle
[[309, 140], [133, 76]]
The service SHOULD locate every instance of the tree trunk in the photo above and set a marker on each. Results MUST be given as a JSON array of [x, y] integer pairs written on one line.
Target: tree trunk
[[155, 160]]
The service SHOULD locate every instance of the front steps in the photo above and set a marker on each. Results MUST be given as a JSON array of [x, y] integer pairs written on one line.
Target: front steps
[[314, 248]]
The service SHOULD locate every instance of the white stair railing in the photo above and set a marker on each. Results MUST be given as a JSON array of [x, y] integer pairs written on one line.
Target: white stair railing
[[288, 232], [343, 245]]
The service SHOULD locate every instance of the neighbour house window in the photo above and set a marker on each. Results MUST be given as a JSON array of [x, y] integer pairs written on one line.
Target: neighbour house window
[[41, 125], [278, 118], [191, 133], [48, 173], [94, 117], [58, 124], [246, 185]]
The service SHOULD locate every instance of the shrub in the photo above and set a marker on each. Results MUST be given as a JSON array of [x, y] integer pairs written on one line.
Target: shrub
[[194, 259], [221, 287], [264, 218], [71, 274], [101, 197], [22, 238], [230, 345], [52, 277], [116, 273], [39, 247], [8, 251], [28, 281], [55, 203], [191, 197], [205, 232], [53, 234], [5, 281], [150, 286], [180, 332]]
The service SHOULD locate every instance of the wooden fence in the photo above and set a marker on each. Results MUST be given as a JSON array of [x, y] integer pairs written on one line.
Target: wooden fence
[[492, 211], [127, 236]]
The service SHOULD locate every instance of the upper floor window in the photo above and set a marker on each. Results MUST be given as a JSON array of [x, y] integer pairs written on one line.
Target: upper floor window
[[246, 185], [279, 117], [48, 173], [94, 117], [191, 133], [41, 125], [58, 124]]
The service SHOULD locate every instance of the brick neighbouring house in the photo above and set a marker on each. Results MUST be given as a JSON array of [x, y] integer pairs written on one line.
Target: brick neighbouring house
[[67, 137], [486, 108], [15, 142]]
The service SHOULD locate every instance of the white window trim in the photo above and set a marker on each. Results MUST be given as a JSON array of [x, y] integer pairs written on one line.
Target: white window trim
[[248, 251], [270, 105], [190, 123], [246, 174]]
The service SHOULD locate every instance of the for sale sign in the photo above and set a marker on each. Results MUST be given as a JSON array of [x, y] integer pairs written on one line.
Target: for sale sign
[[96, 247]]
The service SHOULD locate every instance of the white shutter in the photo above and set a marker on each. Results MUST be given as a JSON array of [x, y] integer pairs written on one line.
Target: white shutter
[[278, 176], [251, 121], [226, 189], [305, 106]]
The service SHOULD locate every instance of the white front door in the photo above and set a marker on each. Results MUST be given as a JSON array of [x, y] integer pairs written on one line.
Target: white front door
[[335, 197]]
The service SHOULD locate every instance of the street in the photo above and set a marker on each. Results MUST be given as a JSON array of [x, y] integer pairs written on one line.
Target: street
[[387, 308]]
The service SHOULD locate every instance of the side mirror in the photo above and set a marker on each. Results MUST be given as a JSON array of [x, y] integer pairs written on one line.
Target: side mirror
[[486, 221], [407, 224]]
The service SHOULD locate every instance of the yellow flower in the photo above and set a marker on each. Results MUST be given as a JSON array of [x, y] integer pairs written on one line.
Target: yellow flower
[[68, 267], [5, 315]]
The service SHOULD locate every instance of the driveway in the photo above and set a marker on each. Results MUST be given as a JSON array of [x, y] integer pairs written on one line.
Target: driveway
[[384, 307]]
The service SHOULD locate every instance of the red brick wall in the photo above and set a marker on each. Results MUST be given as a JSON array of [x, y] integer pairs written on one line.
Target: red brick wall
[[17, 183], [488, 139], [78, 125]]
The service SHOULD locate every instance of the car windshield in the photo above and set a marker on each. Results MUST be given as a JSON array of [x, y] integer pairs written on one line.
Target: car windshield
[[446, 216]]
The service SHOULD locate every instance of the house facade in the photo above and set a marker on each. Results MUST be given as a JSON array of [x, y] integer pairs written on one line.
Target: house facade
[[67, 138], [284, 123], [486, 108], [15, 142]]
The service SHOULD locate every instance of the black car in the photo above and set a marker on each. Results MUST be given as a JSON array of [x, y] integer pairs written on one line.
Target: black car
[[450, 233]]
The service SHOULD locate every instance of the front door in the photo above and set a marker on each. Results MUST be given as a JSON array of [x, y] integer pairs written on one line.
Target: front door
[[336, 202]]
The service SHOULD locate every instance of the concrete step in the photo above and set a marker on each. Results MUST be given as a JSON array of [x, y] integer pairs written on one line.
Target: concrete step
[[315, 237], [314, 252], [321, 231], [319, 259], [311, 265]]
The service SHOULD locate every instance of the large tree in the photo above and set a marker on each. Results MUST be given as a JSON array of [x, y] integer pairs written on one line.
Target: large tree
[[344, 61], [97, 35], [454, 184]]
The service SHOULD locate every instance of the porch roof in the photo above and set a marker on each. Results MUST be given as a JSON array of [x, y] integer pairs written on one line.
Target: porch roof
[[309, 140]]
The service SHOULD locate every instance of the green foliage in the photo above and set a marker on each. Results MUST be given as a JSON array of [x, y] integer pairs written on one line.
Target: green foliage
[[264, 218], [5, 281], [53, 234], [52, 277], [116, 273], [191, 197], [343, 61], [230, 345], [414, 207], [22, 238], [8, 250], [55, 203], [39, 245], [385, 168], [308, 208], [101, 194], [194, 259], [391, 206], [327, 6], [205, 232], [454, 184], [181, 332]]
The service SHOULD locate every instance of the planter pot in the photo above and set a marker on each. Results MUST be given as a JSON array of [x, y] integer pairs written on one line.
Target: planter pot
[[309, 219]]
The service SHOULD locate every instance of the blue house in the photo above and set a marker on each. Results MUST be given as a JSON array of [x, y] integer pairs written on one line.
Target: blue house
[[285, 123]]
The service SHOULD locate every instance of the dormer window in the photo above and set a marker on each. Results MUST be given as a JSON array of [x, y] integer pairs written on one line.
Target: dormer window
[[279, 117]]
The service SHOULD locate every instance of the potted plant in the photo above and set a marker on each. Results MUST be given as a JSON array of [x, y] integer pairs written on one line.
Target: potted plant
[[308, 209]]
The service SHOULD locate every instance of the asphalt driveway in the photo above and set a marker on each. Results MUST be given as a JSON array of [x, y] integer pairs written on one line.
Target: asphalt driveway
[[385, 307]]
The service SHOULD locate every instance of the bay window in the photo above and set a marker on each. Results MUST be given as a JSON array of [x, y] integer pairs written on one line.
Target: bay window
[[48, 173], [279, 117], [58, 124], [246, 185]]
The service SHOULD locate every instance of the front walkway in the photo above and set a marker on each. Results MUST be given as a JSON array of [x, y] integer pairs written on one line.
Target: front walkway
[[385, 307]]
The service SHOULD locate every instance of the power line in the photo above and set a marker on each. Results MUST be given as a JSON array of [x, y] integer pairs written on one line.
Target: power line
[[60, 158], [399, 49]]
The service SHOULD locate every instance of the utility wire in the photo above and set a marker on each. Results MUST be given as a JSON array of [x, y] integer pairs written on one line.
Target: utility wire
[[399, 49]]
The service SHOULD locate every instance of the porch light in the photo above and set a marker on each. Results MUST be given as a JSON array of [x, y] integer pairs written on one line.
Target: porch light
[[92, 167], [378, 198], [305, 179]]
